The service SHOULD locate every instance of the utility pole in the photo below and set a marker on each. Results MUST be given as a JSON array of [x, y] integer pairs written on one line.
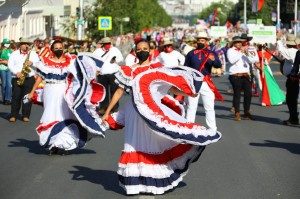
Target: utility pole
[[80, 21], [245, 13], [278, 13], [296, 18]]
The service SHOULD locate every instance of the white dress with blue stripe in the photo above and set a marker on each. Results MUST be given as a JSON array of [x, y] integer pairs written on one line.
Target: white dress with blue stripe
[[61, 125], [159, 143]]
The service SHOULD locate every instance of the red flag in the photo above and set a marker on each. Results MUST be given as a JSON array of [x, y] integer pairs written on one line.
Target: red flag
[[228, 25], [214, 17], [260, 4], [257, 5]]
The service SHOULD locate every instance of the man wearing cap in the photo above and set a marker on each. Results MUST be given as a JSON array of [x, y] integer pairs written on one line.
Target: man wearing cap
[[203, 59], [254, 71], [239, 76], [16, 61], [288, 50], [169, 57], [5, 75], [111, 57]]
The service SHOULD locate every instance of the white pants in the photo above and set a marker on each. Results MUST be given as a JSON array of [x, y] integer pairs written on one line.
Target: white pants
[[208, 100]]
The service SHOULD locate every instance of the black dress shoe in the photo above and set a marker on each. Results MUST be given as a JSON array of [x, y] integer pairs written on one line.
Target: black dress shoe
[[7, 102], [53, 151], [289, 122]]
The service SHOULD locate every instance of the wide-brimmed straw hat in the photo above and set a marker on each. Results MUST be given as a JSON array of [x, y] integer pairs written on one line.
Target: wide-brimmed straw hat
[[290, 40], [246, 37], [237, 39], [24, 41], [105, 40], [297, 41], [202, 35], [167, 41]]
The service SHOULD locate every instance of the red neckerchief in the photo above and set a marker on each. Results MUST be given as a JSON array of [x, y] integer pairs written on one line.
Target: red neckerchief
[[199, 51], [23, 53], [50, 63], [237, 49], [207, 78]]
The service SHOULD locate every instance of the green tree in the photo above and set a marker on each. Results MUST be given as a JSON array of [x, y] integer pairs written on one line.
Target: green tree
[[224, 10], [142, 14], [265, 13]]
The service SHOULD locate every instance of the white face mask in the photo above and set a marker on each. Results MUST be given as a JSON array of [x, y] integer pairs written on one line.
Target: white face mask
[[6, 45]]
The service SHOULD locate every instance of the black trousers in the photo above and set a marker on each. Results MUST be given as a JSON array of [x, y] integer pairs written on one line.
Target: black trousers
[[108, 81], [292, 92], [18, 93], [239, 84]]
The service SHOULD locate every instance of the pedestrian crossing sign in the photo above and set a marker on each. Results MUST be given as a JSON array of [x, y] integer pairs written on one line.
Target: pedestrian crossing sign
[[104, 23]]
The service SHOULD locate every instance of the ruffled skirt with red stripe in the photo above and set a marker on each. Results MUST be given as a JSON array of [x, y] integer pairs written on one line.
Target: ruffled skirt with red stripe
[[150, 163], [159, 144]]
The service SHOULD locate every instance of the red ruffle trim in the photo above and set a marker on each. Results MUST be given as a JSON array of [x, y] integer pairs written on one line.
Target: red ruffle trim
[[171, 104], [163, 158], [178, 81], [113, 124], [41, 127], [98, 92]]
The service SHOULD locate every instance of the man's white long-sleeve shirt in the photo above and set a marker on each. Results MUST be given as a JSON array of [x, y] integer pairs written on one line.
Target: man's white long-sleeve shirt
[[239, 62], [171, 59], [289, 55], [106, 57], [17, 59]]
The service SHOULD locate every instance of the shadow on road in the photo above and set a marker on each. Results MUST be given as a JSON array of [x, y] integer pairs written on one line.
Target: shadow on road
[[291, 147], [34, 147], [4, 115], [108, 179]]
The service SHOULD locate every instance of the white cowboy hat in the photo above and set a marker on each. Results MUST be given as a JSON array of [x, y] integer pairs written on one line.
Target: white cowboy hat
[[202, 35], [167, 41], [290, 40], [24, 41], [105, 40]]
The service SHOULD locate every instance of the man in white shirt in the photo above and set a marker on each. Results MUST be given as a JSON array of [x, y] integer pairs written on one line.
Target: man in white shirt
[[170, 57], [288, 50], [111, 56], [239, 75], [23, 57]]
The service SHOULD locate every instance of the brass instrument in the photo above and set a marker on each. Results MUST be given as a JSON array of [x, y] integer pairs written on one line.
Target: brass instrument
[[25, 71]]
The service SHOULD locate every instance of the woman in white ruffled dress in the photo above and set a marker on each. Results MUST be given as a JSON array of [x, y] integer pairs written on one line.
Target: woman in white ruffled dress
[[159, 143], [60, 129]]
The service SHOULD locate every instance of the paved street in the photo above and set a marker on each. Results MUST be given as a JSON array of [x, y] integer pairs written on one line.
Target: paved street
[[255, 159]]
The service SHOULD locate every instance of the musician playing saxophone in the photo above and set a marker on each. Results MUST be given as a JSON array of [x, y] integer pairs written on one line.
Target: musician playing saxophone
[[19, 59]]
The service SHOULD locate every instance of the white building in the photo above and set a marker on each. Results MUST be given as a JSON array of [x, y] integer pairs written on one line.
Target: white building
[[35, 18], [186, 9]]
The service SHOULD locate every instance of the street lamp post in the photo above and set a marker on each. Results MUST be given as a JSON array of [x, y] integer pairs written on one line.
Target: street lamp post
[[296, 18], [125, 19], [80, 21]]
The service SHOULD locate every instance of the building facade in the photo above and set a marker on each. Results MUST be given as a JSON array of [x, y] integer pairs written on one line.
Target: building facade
[[36, 18]]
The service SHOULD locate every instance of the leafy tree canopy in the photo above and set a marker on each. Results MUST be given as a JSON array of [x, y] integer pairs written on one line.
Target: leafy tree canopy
[[224, 10], [142, 14]]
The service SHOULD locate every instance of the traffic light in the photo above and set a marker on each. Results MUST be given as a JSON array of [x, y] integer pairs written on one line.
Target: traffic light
[[78, 12]]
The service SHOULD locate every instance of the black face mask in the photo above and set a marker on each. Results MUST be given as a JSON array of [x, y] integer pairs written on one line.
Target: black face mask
[[58, 53], [142, 55], [200, 45]]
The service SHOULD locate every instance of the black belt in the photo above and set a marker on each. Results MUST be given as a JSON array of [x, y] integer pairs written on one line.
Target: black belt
[[25, 77]]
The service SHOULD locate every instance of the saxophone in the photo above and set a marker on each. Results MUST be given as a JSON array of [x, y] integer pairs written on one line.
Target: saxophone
[[25, 71]]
